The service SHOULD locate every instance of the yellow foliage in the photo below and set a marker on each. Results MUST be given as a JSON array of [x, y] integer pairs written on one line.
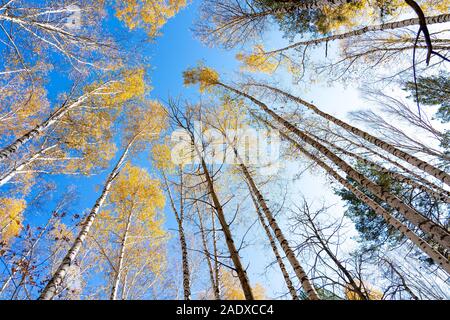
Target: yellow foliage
[[61, 232], [88, 141], [353, 14], [344, 15], [21, 103], [258, 61], [204, 76], [435, 6], [11, 217], [291, 66], [267, 62], [151, 15], [86, 132], [231, 113], [136, 199]]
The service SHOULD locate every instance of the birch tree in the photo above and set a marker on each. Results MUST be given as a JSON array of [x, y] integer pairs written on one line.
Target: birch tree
[[163, 162], [142, 127], [134, 238], [185, 121]]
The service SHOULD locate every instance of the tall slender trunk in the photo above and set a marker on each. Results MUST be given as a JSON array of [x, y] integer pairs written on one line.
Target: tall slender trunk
[[185, 261], [403, 229], [208, 257], [8, 151], [380, 27], [397, 176], [412, 160], [298, 269], [50, 289], [123, 244], [11, 173], [242, 274], [184, 256], [242, 16], [278, 257], [437, 232], [402, 279], [186, 271], [123, 294], [260, 204], [179, 217]]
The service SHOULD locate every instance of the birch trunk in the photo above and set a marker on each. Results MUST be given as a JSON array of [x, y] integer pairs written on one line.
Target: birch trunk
[[50, 289], [381, 27], [437, 232], [298, 269], [430, 185], [118, 271], [8, 151], [184, 257], [260, 203], [124, 287], [186, 271], [408, 233], [280, 262], [242, 274], [412, 160], [313, 4], [208, 257], [216, 258]]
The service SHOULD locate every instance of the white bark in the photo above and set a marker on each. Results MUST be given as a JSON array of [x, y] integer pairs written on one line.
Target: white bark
[[412, 160], [408, 233], [16, 169], [6, 152], [123, 245]]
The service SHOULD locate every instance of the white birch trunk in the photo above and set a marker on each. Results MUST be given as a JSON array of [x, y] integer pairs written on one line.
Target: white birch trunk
[[50, 289], [412, 160], [408, 233]]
